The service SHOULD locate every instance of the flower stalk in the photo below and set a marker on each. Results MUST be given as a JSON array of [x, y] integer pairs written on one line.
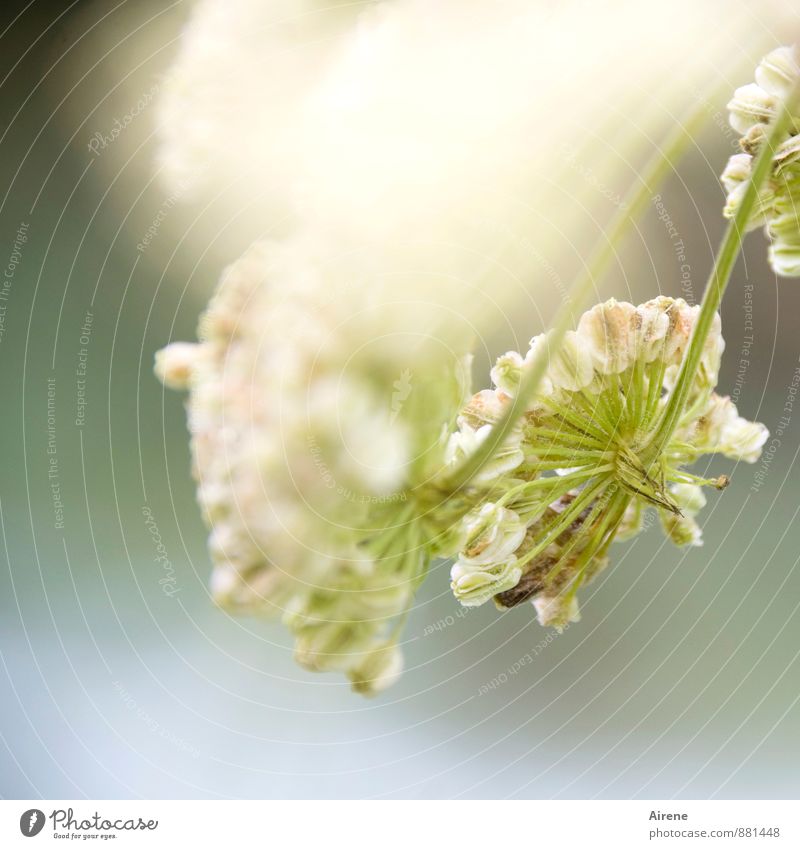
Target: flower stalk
[[723, 268]]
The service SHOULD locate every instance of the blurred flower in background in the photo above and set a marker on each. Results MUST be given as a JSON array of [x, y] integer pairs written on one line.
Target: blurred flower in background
[[309, 447]]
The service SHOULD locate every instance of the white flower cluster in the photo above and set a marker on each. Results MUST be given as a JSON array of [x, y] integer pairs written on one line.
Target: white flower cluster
[[307, 456], [752, 108], [583, 465], [320, 432]]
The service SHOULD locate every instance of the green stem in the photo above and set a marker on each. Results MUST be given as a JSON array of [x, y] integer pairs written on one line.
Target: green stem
[[655, 172], [530, 495], [720, 277]]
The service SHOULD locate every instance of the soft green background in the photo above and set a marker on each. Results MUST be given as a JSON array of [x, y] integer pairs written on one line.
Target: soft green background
[[681, 680]]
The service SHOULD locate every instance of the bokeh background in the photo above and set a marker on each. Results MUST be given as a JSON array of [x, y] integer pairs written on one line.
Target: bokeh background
[[119, 676]]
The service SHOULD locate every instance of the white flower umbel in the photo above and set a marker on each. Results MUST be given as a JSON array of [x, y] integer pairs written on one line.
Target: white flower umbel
[[591, 461], [316, 426], [752, 108]]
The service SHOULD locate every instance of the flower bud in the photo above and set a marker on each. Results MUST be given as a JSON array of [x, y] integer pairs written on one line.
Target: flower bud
[[681, 530], [777, 71], [750, 105], [609, 331], [475, 585], [378, 671], [507, 373], [720, 429], [688, 497], [493, 534], [569, 366]]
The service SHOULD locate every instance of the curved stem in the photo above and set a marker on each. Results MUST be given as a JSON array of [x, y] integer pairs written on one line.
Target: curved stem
[[720, 276], [655, 171]]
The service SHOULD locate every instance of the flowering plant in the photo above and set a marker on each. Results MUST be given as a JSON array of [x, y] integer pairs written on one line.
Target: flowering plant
[[526, 484]]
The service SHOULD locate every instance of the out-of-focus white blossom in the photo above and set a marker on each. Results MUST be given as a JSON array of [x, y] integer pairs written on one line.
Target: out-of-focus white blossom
[[175, 363], [315, 421], [379, 670], [464, 126], [232, 105]]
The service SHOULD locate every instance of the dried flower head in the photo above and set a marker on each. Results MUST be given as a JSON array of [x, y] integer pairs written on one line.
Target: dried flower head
[[752, 108], [586, 460]]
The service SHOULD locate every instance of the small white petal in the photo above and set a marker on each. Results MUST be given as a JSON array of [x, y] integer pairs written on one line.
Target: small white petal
[[507, 373], [777, 71], [493, 534], [474, 586], [609, 331], [750, 105]]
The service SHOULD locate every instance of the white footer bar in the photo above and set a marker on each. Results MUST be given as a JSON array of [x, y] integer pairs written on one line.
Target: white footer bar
[[406, 824]]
